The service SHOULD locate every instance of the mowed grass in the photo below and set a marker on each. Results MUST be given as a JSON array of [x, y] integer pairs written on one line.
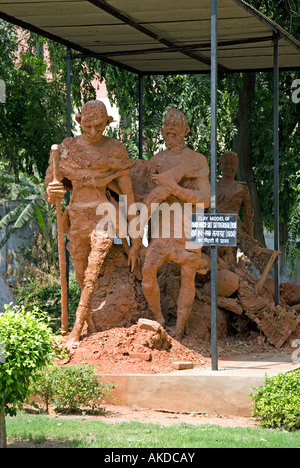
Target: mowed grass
[[97, 434]]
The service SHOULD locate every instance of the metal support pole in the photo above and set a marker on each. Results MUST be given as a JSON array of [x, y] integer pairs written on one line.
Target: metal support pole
[[68, 93], [141, 114], [69, 130], [214, 250], [276, 168]]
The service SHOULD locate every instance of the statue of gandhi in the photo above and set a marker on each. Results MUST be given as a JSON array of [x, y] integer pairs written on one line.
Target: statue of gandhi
[[89, 166]]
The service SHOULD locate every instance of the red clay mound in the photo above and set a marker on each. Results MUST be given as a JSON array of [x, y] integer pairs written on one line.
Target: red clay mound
[[135, 350]]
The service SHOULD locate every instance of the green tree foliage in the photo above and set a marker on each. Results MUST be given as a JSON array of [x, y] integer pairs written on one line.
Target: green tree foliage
[[32, 206], [263, 146], [47, 298], [190, 93], [33, 116], [287, 14]]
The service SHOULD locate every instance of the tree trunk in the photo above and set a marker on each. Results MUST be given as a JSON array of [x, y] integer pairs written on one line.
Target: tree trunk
[[3, 442], [243, 146]]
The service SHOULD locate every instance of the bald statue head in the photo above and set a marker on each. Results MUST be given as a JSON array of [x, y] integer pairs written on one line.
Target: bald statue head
[[93, 120]]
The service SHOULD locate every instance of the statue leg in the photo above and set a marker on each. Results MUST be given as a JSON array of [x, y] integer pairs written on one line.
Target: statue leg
[[80, 266], [150, 284], [79, 246], [99, 249], [185, 299]]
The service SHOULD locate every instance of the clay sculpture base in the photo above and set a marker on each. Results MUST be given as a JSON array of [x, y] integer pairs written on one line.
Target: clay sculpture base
[[119, 302]]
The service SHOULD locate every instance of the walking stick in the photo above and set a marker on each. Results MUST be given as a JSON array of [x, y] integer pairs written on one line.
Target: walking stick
[[61, 246]]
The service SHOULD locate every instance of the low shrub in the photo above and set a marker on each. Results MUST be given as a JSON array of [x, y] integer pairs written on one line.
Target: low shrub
[[72, 389], [277, 403], [27, 346]]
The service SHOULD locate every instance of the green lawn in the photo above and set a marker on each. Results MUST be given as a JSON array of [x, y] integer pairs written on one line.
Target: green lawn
[[96, 434]]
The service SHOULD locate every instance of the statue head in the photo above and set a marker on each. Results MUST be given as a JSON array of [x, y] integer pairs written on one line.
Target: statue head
[[175, 128], [229, 163], [93, 120]]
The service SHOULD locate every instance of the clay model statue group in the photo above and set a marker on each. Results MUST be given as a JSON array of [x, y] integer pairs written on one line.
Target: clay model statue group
[[99, 174]]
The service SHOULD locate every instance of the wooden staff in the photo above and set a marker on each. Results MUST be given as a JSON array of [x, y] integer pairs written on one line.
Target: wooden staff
[[61, 246]]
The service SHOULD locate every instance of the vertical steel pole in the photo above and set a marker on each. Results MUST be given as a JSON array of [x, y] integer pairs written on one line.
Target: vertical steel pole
[[141, 114], [68, 93], [276, 168], [69, 130], [214, 250]]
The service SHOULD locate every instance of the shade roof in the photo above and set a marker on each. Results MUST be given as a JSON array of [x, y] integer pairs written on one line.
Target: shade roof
[[158, 36]]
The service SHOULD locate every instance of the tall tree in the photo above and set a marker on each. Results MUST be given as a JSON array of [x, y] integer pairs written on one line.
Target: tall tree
[[242, 144], [34, 113], [287, 14]]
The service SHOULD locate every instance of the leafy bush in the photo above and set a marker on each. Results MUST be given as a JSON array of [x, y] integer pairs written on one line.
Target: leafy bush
[[29, 346], [72, 388], [277, 403]]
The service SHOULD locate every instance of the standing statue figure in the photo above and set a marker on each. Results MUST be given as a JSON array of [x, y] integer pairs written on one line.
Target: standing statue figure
[[232, 197], [178, 176], [89, 165]]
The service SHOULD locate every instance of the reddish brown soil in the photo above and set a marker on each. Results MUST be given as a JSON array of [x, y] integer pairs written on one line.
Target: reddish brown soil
[[111, 351]]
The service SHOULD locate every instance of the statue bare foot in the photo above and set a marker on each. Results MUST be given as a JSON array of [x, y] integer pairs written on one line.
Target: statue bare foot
[[160, 319], [82, 315], [71, 344], [179, 335]]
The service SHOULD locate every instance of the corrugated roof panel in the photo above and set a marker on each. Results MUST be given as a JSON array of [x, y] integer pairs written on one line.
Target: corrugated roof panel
[[131, 27], [34, 9], [155, 66]]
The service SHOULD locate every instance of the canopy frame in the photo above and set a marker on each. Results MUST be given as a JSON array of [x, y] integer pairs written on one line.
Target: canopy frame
[[275, 35]]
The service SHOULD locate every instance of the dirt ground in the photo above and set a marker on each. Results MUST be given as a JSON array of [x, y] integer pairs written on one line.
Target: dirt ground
[[115, 414]]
